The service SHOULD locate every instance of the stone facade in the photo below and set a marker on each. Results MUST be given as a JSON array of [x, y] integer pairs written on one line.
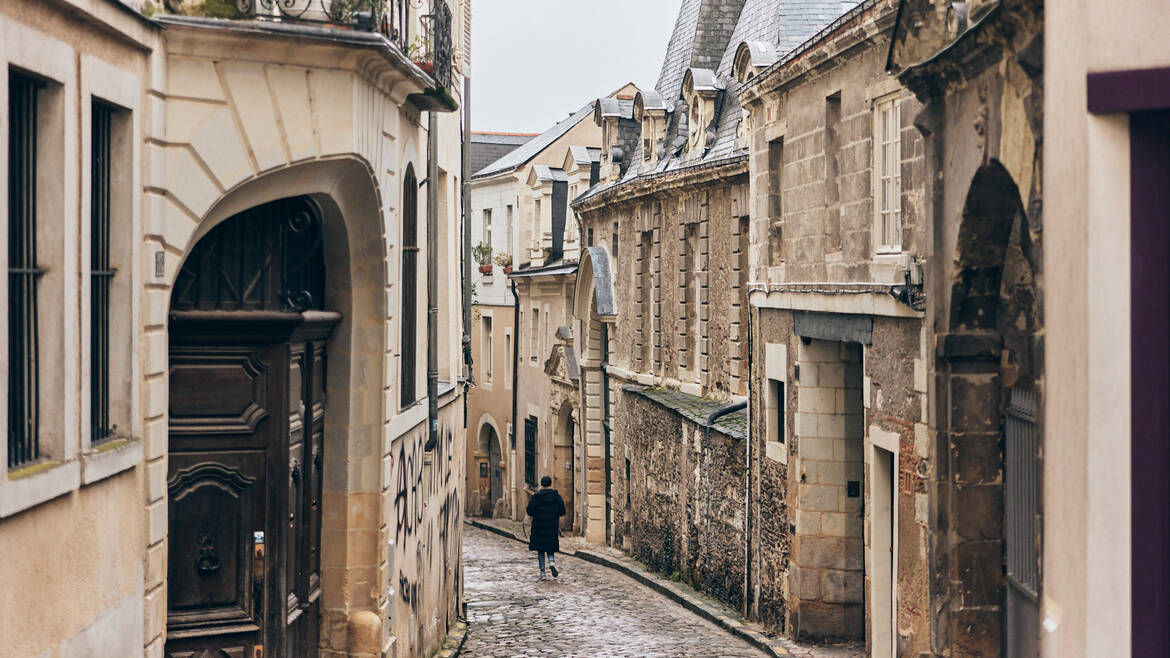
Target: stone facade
[[982, 121], [220, 120], [839, 354]]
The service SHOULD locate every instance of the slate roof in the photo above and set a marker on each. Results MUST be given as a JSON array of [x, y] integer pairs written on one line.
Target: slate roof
[[533, 147], [547, 173], [584, 155], [695, 409], [785, 23], [486, 148]]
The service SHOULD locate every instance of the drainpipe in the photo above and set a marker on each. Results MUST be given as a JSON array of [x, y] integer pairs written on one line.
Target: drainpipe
[[465, 200], [515, 390], [432, 280], [749, 603]]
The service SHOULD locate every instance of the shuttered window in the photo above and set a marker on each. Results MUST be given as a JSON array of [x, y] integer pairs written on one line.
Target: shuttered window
[[407, 374], [101, 273], [23, 273]]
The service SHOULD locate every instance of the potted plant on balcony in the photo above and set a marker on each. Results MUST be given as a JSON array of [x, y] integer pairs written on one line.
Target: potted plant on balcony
[[417, 50], [504, 260], [482, 253]]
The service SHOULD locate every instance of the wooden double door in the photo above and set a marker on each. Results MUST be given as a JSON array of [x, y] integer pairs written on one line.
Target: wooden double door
[[247, 437], [247, 418]]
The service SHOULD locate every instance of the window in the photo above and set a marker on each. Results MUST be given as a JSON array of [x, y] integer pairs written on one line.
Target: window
[[530, 450], [615, 244], [507, 358], [775, 205], [24, 274], [508, 228], [534, 338], [776, 411], [409, 335], [487, 225], [887, 158], [589, 237], [776, 374], [536, 226], [645, 302], [101, 272], [629, 486], [486, 351], [832, 183]]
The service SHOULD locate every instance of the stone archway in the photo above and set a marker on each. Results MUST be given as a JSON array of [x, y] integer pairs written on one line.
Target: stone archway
[[346, 194], [593, 305], [989, 471], [491, 488], [565, 462]]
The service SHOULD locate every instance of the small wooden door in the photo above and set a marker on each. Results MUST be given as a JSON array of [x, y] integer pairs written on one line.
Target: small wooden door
[[246, 438]]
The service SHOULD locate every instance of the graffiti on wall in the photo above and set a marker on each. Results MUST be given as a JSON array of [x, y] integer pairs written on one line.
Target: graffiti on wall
[[425, 519]]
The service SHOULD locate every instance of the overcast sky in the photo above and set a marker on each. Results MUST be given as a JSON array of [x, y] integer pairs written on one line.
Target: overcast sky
[[534, 62]]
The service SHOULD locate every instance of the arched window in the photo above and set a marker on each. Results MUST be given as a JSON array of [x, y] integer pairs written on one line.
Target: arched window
[[409, 317]]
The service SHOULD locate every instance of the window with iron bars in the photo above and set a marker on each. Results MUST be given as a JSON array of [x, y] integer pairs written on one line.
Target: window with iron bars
[[23, 273], [409, 346], [101, 273], [530, 450]]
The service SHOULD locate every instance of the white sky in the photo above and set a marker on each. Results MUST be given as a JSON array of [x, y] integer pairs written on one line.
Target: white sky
[[534, 62]]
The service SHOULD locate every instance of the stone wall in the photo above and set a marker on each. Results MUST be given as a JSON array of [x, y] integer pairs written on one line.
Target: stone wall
[[681, 510], [679, 282]]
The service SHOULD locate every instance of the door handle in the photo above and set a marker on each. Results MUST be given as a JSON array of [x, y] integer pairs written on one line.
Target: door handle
[[258, 574]]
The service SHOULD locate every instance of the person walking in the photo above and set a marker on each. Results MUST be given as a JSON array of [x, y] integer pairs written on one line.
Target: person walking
[[546, 509]]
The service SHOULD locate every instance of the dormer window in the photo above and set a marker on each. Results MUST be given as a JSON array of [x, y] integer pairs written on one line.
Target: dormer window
[[701, 88], [651, 110], [751, 58]]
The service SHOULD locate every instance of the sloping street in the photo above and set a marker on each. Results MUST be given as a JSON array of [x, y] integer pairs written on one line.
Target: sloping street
[[588, 611]]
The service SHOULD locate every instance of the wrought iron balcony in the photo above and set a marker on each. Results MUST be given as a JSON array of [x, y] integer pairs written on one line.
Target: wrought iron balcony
[[392, 18]]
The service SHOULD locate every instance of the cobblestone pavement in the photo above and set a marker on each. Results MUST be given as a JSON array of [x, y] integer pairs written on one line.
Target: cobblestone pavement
[[589, 611]]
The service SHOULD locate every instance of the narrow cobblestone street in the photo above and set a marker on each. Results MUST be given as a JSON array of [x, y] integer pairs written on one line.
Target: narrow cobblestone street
[[588, 611]]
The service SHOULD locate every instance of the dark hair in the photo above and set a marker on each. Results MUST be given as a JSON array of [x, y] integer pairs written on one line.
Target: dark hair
[[546, 481]]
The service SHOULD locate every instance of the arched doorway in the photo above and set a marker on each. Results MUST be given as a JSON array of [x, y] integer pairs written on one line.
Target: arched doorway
[[564, 471], [992, 376], [248, 331], [492, 490]]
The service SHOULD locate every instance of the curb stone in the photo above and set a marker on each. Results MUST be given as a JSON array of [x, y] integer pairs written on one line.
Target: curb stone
[[677, 593], [453, 645]]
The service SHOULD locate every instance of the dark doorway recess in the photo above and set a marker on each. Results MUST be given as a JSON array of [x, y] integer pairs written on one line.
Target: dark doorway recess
[[246, 436]]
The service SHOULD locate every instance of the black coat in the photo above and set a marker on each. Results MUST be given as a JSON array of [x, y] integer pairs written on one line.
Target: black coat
[[546, 508]]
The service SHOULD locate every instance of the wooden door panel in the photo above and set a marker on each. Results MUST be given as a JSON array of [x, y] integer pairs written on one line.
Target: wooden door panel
[[219, 398]]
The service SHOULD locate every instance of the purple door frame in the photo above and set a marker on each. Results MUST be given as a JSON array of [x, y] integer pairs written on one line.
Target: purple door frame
[[1145, 96]]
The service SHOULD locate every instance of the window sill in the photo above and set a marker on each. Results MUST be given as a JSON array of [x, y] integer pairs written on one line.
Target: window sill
[[110, 458], [33, 485], [776, 451]]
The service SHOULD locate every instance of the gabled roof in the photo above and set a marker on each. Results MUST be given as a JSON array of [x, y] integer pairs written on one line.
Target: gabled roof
[[581, 156], [532, 148], [546, 174]]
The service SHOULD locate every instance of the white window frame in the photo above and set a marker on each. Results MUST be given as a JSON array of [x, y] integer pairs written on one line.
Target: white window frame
[[887, 175], [485, 334], [508, 347], [776, 402], [534, 339], [487, 226]]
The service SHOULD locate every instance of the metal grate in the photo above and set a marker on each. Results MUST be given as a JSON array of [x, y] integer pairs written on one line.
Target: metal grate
[[407, 374], [1021, 503], [23, 273], [530, 450], [101, 274]]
